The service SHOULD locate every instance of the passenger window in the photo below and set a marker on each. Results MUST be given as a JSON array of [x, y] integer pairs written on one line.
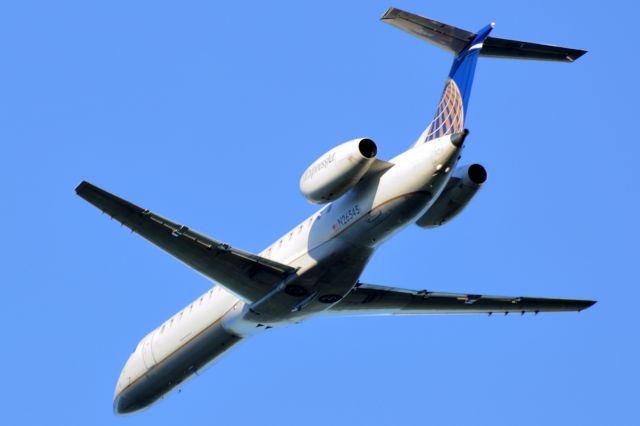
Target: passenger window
[[290, 235], [201, 299], [162, 328]]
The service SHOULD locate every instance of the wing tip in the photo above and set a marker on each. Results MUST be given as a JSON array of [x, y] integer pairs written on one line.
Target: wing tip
[[586, 304], [576, 54], [82, 187], [389, 14]]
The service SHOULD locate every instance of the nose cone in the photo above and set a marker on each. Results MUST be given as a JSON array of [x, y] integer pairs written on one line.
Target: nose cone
[[131, 399], [129, 393], [122, 398], [127, 402], [119, 407], [119, 403]]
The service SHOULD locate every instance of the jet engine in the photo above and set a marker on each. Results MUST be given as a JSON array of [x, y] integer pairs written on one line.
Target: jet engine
[[462, 186], [338, 170]]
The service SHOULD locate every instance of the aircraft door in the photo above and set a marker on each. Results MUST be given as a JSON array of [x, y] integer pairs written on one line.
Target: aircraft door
[[147, 351]]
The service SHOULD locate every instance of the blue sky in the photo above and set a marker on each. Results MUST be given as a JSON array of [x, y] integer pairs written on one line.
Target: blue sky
[[208, 114]]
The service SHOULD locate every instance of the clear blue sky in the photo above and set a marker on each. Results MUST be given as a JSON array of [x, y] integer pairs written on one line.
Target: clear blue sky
[[208, 114]]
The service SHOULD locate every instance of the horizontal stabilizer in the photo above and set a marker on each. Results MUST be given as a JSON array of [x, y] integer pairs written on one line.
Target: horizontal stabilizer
[[455, 40], [502, 48], [368, 299], [445, 36]]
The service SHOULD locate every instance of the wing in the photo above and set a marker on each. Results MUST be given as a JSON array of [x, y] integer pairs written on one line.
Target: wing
[[245, 274], [367, 299]]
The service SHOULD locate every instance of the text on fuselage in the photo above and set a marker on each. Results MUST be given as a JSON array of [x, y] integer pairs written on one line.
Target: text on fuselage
[[348, 216], [322, 164]]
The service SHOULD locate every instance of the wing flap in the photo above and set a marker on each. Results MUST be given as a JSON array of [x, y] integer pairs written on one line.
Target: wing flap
[[245, 274], [368, 299]]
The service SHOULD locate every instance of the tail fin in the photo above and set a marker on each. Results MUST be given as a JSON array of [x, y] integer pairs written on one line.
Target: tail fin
[[467, 46]]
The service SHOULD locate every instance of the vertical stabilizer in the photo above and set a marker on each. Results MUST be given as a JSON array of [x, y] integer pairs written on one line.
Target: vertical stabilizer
[[453, 106]]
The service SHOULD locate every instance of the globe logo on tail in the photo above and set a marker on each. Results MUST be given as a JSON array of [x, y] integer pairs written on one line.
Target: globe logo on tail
[[449, 117]]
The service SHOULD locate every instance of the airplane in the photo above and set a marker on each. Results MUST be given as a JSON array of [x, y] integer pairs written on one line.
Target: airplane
[[314, 268]]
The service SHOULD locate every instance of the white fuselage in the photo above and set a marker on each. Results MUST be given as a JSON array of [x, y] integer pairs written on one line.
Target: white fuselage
[[329, 250]]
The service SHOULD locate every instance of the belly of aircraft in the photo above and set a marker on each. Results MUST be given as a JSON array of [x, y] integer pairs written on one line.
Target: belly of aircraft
[[329, 271]]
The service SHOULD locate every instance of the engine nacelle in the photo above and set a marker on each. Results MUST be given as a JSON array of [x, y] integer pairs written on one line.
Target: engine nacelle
[[338, 170], [462, 186]]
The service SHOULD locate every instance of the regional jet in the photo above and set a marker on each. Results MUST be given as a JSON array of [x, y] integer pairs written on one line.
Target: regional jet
[[314, 268]]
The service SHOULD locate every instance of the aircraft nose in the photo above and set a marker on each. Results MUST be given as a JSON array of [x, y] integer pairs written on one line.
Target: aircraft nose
[[127, 397], [128, 401], [118, 407]]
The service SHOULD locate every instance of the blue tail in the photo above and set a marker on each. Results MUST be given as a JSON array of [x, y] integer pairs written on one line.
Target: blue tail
[[453, 106], [464, 65], [467, 47]]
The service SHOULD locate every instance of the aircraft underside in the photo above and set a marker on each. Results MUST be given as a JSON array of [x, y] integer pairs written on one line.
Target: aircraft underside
[[314, 269]]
